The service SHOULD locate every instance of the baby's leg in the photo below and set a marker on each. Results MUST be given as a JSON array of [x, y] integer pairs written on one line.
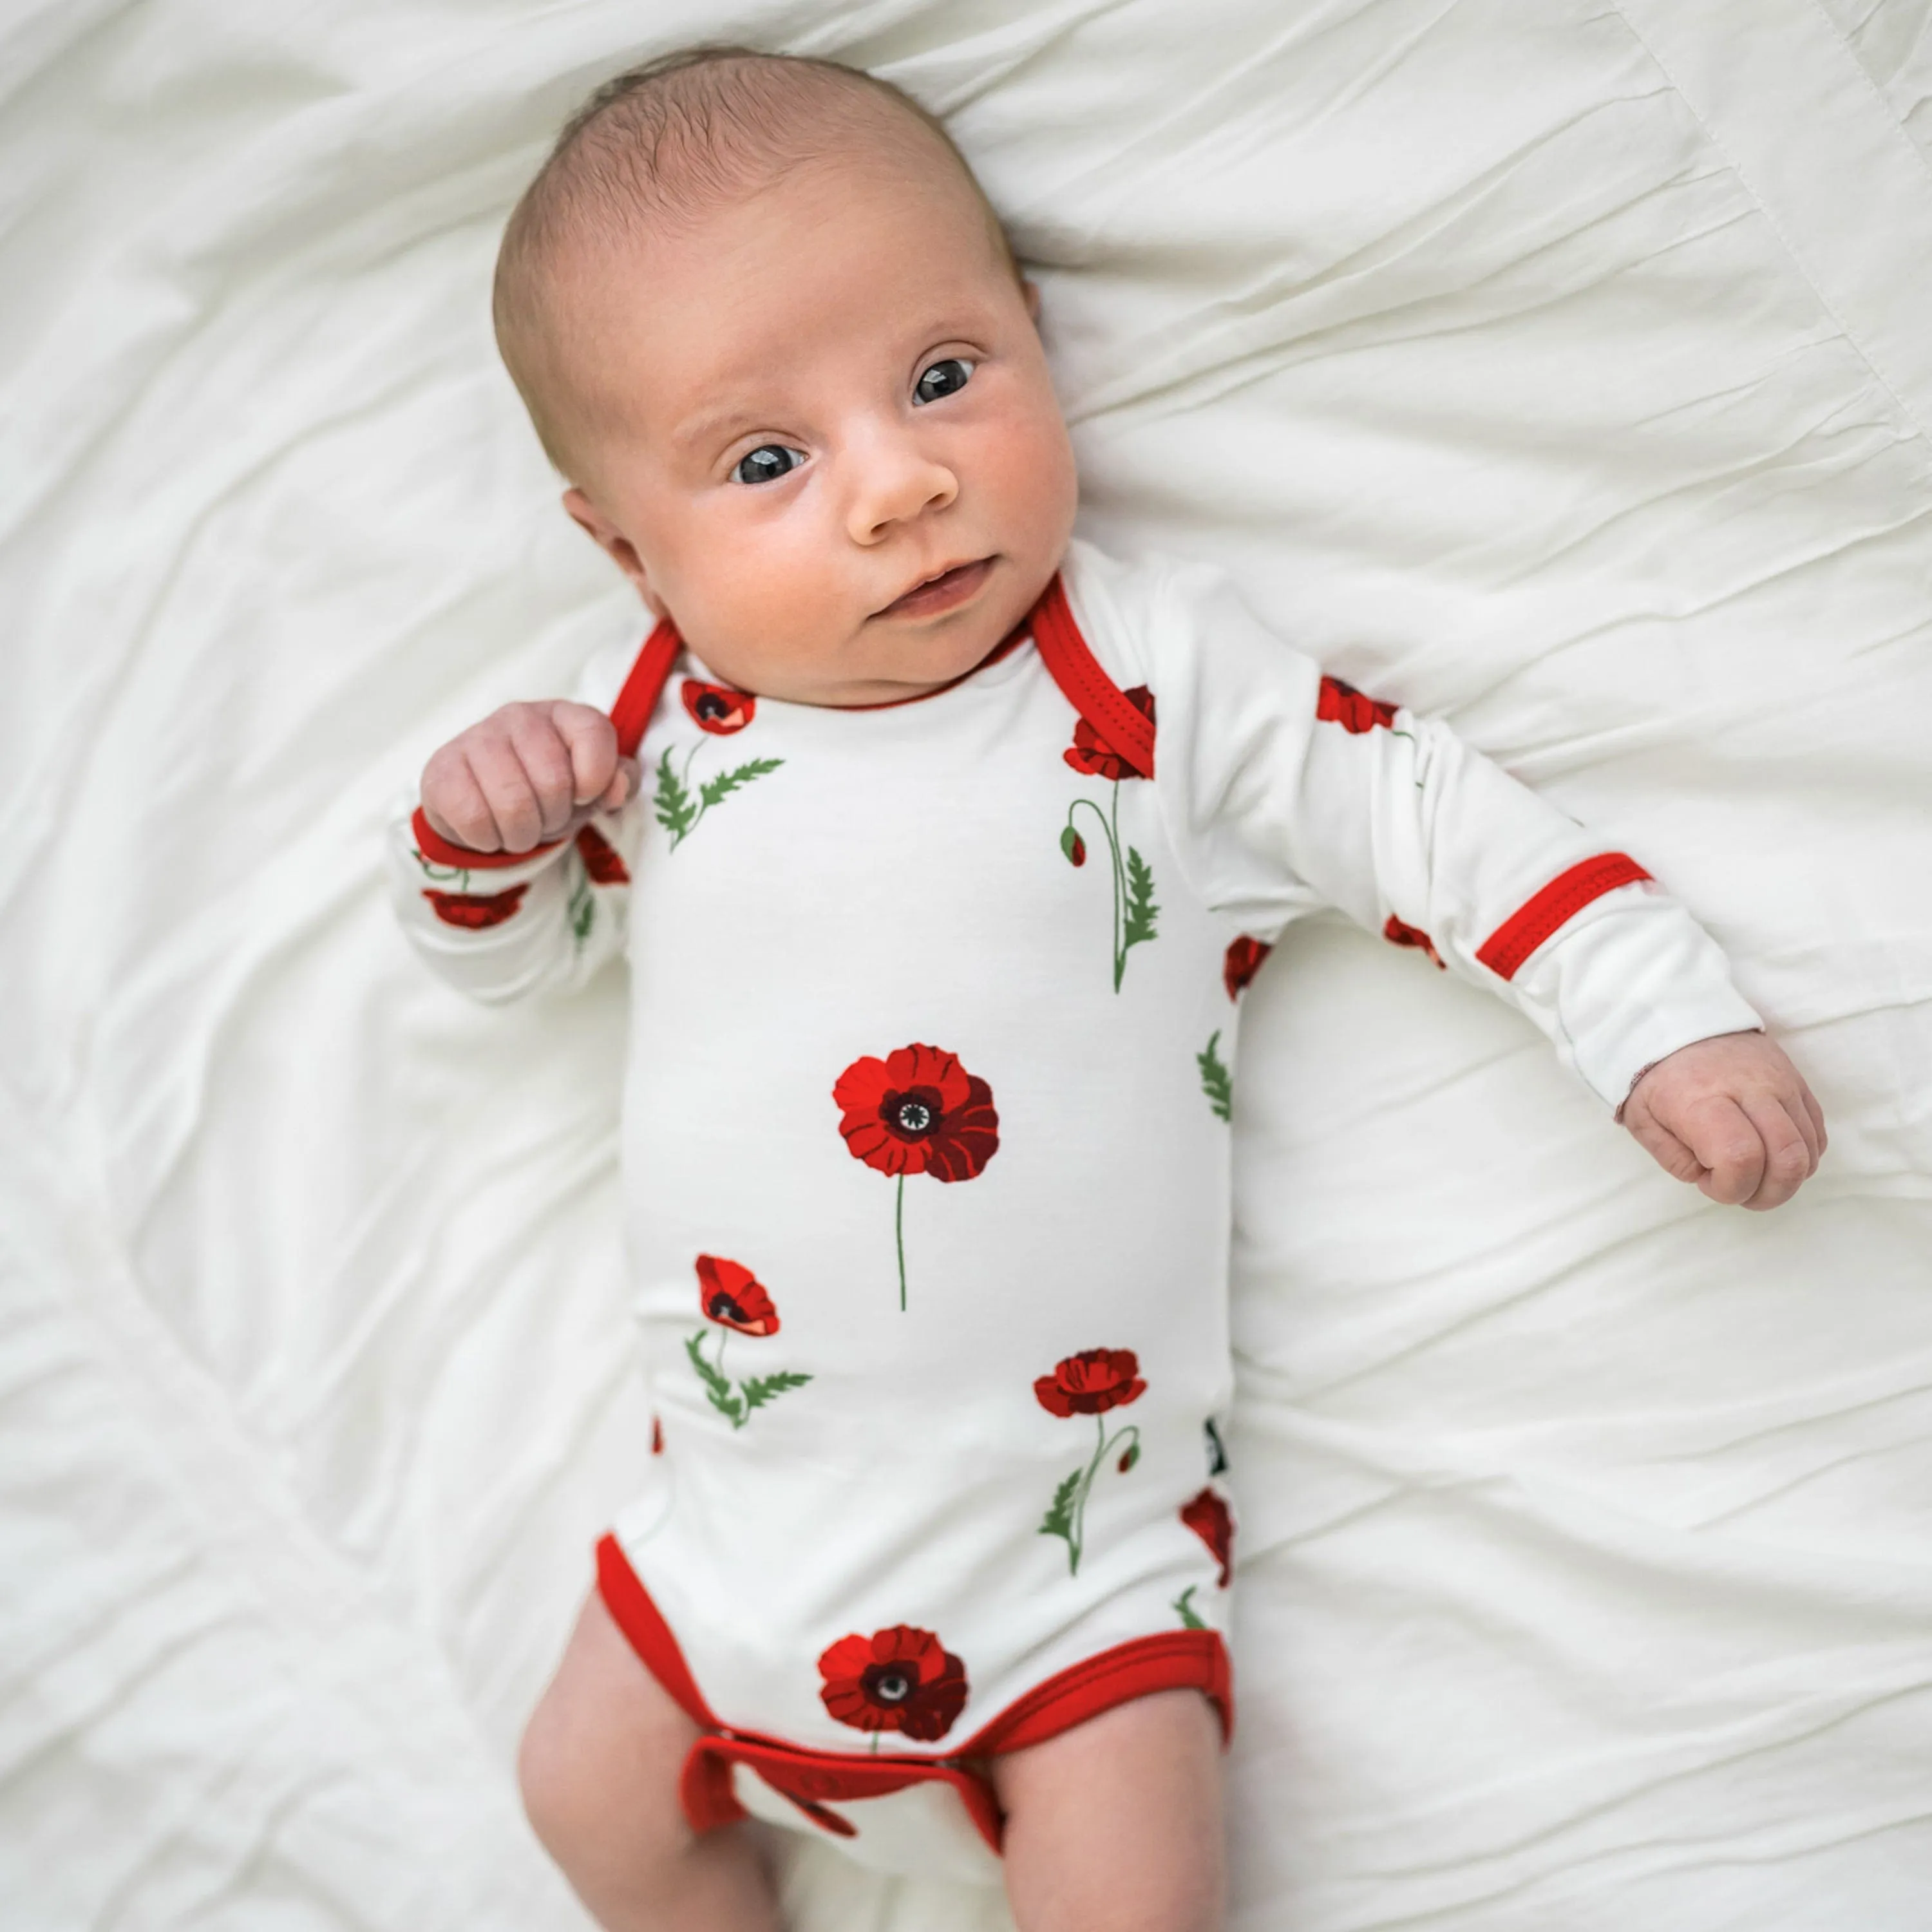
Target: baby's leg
[[1115, 1826], [599, 1770]]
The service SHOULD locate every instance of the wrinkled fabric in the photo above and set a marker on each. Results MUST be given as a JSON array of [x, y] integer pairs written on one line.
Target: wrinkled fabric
[[1568, 377]]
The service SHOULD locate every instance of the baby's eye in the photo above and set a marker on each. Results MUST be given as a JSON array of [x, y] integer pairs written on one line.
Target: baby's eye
[[767, 464], [942, 379]]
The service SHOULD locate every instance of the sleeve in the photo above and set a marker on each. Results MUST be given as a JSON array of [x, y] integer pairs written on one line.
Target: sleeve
[[499, 926], [1286, 790]]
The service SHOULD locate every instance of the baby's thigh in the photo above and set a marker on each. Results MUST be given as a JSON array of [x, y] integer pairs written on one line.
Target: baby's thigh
[[601, 1755], [1116, 1824]]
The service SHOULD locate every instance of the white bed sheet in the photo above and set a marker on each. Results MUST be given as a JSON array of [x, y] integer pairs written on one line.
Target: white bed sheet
[[1567, 370]]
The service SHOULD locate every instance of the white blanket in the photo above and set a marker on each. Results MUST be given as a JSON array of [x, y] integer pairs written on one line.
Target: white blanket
[[1566, 370]]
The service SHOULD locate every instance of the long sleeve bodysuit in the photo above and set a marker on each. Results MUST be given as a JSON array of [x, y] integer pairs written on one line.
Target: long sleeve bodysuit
[[926, 1150]]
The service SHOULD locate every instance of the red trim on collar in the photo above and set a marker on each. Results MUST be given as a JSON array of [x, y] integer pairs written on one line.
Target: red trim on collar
[[1125, 730], [1506, 949], [643, 686]]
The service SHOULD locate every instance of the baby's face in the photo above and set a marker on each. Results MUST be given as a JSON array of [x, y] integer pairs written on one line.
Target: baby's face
[[827, 444]]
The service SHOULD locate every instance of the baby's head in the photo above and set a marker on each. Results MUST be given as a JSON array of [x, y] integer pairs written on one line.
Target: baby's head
[[768, 327]]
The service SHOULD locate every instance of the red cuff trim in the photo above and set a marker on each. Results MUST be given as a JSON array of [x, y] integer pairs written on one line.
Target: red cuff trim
[[1126, 730], [1506, 949], [432, 845]]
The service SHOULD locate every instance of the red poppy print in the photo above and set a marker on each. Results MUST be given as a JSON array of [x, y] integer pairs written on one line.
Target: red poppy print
[[901, 1679], [1135, 913], [657, 1437], [1093, 757], [602, 865], [916, 1112], [1397, 934], [1343, 704], [473, 911], [733, 1297], [1241, 963], [717, 708], [1208, 1516], [1091, 1383]]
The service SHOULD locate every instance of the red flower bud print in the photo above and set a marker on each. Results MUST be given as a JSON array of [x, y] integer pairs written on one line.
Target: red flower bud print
[[601, 864], [1343, 704], [1091, 1382], [1073, 845], [717, 708], [1090, 753], [732, 1296], [916, 1112], [901, 1679], [474, 910], [1241, 962], [1396, 934], [1208, 1516]]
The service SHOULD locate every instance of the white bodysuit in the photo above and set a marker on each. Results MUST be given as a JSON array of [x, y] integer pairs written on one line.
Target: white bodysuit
[[926, 1150]]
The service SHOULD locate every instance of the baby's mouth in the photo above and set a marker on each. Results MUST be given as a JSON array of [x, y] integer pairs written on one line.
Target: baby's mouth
[[946, 591]]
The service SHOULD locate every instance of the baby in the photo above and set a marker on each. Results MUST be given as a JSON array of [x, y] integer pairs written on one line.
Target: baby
[[942, 847]]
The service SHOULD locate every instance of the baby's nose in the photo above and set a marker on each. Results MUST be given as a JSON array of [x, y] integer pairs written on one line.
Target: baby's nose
[[896, 481]]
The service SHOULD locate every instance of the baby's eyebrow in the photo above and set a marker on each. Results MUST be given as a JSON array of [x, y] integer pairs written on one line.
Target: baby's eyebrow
[[718, 425]]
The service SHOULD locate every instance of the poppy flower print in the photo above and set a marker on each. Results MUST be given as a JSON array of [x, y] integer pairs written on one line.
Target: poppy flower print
[[602, 865], [918, 1111], [1397, 934], [1241, 963], [717, 708], [1135, 913], [900, 1679], [1091, 1383], [1354, 710], [1208, 1516], [733, 1297], [736, 1299], [473, 911], [1093, 757]]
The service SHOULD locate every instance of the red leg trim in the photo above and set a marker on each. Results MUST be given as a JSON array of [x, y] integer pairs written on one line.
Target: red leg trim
[[1091, 692], [1172, 1660], [1505, 950], [639, 1618]]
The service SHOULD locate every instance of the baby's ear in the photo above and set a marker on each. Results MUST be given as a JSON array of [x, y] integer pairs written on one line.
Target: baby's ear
[[612, 542]]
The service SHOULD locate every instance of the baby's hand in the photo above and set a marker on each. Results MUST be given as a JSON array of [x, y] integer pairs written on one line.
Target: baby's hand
[[1731, 1113], [526, 774]]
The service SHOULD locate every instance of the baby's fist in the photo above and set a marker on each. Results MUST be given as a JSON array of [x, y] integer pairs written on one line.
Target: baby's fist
[[1731, 1113], [526, 775]]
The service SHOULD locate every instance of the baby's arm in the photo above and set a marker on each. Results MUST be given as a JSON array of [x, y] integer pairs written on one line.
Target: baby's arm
[[510, 877], [1298, 791]]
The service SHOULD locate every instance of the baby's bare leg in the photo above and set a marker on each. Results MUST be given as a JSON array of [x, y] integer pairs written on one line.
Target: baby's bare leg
[[1115, 1826], [599, 1770]]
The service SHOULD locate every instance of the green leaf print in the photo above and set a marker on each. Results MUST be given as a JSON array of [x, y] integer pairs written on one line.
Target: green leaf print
[[726, 783], [755, 1392], [582, 912], [675, 812], [1217, 1082], [1140, 908], [760, 1389], [1182, 1606], [1059, 1520], [715, 1386]]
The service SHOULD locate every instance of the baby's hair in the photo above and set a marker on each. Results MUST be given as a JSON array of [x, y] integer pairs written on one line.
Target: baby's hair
[[655, 148]]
